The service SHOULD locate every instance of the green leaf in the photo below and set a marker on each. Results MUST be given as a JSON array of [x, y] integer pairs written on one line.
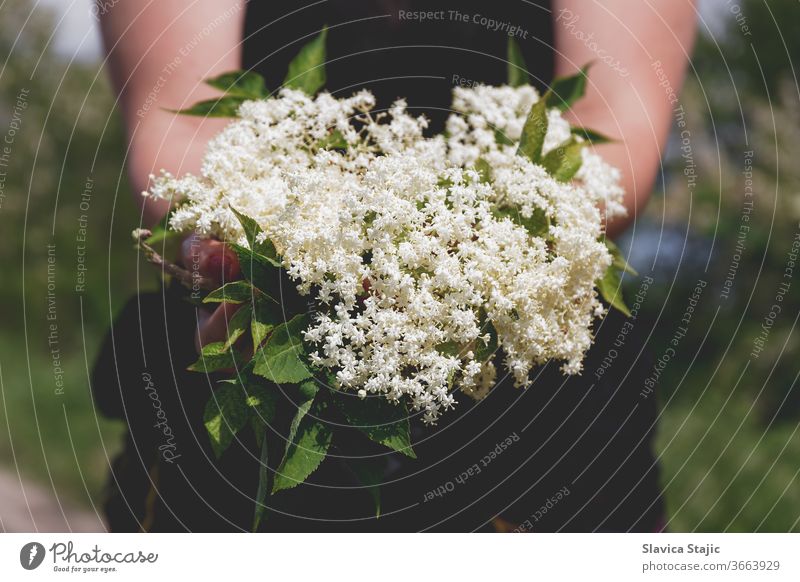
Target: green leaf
[[618, 258], [247, 84], [565, 91], [251, 232], [517, 69], [590, 135], [281, 358], [379, 419], [250, 227], [263, 485], [161, 232], [485, 351], [484, 169], [225, 414], [238, 324], [334, 141], [267, 316], [564, 161], [236, 292], [214, 357], [610, 288], [307, 447], [533, 132], [501, 138], [537, 224], [307, 392], [261, 402], [307, 69], [221, 107], [161, 235], [453, 349], [370, 473], [258, 269]]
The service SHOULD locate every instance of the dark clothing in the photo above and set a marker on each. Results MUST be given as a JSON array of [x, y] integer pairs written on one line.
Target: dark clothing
[[388, 47], [569, 453]]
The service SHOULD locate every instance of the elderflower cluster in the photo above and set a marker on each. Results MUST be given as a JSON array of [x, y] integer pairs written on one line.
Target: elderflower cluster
[[397, 237]]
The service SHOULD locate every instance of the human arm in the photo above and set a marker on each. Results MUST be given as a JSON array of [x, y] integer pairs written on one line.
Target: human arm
[[158, 54], [640, 52]]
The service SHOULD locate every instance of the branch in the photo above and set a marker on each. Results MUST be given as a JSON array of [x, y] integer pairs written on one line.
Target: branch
[[189, 279]]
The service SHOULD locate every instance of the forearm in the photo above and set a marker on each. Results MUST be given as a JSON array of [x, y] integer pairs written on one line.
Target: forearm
[[634, 47], [159, 53]]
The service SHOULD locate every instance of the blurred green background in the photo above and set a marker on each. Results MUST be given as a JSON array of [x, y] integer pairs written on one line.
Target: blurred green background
[[728, 433]]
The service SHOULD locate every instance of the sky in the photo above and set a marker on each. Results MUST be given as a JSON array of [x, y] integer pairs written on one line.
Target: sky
[[77, 32]]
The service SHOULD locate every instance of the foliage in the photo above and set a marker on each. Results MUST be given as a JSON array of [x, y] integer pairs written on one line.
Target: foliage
[[280, 356], [63, 182]]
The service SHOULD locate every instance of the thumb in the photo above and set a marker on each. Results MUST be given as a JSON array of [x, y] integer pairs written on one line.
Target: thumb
[[210, 258]]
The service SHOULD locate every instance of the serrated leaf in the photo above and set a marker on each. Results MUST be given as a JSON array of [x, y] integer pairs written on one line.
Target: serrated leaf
[[214, 357], [564, 161], [259, 270], [238, 324], [517, 69], [236, 292], [590, 135], [534, 132], [610, 288], [370, 473], [307, 391], [220, 107], [565, 91], [619, 260], [263, 484], [250, 227], [307, 69], [247, 84], [307, 447], [281, 360], [267, 316], [537, 224], [261, 402], [379, 419], [225, 414], [251, 231]]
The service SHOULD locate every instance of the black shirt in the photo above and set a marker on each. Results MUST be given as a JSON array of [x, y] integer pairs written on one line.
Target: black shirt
[[569, 453]]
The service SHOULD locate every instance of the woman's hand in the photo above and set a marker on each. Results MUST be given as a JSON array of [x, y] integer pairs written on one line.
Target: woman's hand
[[214, 260], [158, 61]]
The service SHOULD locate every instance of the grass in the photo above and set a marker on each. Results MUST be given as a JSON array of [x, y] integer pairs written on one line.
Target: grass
[[730, 473], [53, 439]]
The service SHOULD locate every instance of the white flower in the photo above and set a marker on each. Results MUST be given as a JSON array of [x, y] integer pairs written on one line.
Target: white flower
[[396, 239]]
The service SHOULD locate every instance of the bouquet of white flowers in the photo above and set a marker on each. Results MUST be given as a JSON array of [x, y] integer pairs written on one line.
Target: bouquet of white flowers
[[386, 271]]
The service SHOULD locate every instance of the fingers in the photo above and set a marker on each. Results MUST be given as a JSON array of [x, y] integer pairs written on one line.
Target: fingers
[[210, 258], [213, 260], [213, 327]]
